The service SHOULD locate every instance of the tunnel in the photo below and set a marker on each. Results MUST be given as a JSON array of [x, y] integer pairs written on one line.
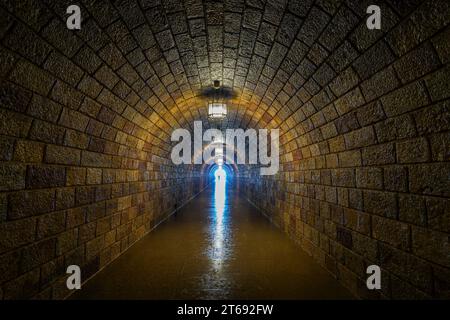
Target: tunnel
[[116, 164]]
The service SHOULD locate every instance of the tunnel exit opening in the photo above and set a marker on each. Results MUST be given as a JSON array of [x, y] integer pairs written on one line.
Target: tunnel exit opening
[[220, 174]]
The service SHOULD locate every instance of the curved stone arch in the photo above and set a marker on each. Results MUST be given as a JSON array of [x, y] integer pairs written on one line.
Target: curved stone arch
[[86, 119]]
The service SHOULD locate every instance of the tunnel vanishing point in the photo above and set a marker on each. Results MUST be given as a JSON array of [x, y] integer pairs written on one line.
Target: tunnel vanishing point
[[87, 180]]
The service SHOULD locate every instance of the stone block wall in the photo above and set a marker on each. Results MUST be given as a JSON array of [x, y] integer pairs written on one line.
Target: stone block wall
[[365, 174], [86, 118], [84, 166]]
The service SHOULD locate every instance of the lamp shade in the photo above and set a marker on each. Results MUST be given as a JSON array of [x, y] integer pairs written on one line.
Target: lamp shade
[[217, 110]]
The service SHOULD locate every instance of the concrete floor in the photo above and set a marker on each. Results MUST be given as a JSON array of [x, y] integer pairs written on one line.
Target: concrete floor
[[216, 247]]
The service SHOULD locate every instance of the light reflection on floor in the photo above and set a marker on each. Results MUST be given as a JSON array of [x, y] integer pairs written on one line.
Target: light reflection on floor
[[216, 282], [216, 247], [219, 227]]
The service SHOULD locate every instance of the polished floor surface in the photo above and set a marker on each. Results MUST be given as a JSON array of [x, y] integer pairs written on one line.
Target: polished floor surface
[[216, 247]]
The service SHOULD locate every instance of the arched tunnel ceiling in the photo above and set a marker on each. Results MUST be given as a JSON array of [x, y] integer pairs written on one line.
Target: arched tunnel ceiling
[[186, 45], [155, 56], [167, 51], [86, 118]]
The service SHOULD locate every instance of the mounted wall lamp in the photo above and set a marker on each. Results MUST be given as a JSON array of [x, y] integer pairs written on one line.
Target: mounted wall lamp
[[217, 108]]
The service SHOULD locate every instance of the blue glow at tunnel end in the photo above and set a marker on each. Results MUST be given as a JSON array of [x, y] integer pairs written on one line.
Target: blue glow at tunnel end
[[220, 173], [225, 171]]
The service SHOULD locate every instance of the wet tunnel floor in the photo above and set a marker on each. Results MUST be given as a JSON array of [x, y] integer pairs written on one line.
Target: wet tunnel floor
[[216, 247]]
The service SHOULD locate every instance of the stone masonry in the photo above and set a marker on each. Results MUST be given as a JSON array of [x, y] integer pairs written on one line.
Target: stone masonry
[[364, 118]]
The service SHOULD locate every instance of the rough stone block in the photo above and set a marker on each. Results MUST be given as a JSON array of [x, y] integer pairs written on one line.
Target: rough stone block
[[413, 151], [62, 38], [395, 178], [360, 138], [288, 29], [31, 46], [349, 101], [94, 246], [112, 56], [405, 99], [392, 232], [412, 209], [441, 282], [313, 25], [381, 203], [51, 224], [342, 56], [23, 287], [14, 97], [343, 177], [62, 155], [430, 179], [438, 214], [90, 87], [357, 221], [66, 242], [63, 68], [373, 60], [76, 139], [7, 147], [406, 266], [345, 81], [431, 245], [65, 198], [38, 254], [76, 176], [395, 128], [379, 84], [15, 234], [12, 177], [44, 109], [344, 237], [84, 195], [435, 118], [417, 63], [438, 84], [47, 132], [45, 176], [9, 266], [87, 60], [74, 120], [32, 77], [52, 270], [442, 46], [94, 176], [350, 158], [28, 203], [343, 21], [94, 159], [369, 178], [346, 123], [14, 124], [370, 113], [106, 76]]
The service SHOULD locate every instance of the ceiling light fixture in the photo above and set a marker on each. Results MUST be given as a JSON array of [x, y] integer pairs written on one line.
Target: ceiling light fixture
[[217, 108]]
